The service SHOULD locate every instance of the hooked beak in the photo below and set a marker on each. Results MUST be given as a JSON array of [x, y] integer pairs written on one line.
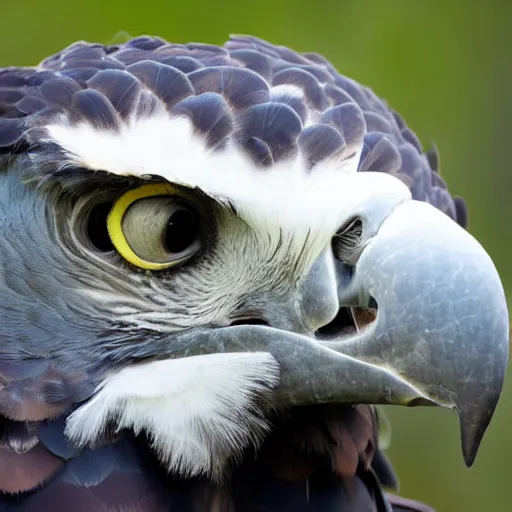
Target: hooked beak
[[440, 336], [442, 322]]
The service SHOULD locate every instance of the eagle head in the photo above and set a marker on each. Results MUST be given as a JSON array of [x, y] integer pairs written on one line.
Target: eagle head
[[196, 239]]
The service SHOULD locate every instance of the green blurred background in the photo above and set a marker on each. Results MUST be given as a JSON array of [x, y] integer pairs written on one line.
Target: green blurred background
[[445, 65]]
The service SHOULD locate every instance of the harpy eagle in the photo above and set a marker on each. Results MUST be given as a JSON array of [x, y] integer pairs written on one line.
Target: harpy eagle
[[214, 263]]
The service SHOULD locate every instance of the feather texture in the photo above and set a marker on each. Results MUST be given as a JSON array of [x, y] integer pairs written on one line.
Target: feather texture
[[148, 76]]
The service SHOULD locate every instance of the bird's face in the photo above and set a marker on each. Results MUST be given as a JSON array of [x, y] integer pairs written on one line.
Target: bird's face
[[191, 280]]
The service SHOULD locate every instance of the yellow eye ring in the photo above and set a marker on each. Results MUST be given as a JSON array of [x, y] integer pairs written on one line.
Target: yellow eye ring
[[115, 219]]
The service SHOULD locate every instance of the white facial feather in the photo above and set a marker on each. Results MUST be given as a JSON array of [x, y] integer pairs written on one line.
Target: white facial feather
[[287, 200], [198, 411]]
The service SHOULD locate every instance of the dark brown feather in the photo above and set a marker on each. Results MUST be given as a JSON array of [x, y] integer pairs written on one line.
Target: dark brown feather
[[24, 471]]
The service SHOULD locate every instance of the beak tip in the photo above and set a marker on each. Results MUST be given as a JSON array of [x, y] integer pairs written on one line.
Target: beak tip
[[469, 449], [477, 404], [469, 459], [472, 429], [469, 452]]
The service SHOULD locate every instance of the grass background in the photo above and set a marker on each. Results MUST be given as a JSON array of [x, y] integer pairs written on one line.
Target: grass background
[[445, 65]]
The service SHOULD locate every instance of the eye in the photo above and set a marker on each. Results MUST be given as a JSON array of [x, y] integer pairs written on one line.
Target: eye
[[154, 227], [347, 241]]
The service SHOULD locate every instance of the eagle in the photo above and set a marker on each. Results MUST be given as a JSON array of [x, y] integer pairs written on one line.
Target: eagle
[[216, 262]]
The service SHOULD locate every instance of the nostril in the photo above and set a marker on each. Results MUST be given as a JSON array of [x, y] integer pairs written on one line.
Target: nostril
[[249, 321], [349, 320], [372, 304], [342, 323]]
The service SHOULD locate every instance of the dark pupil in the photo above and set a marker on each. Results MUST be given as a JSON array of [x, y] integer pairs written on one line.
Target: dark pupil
[[182, 231]]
